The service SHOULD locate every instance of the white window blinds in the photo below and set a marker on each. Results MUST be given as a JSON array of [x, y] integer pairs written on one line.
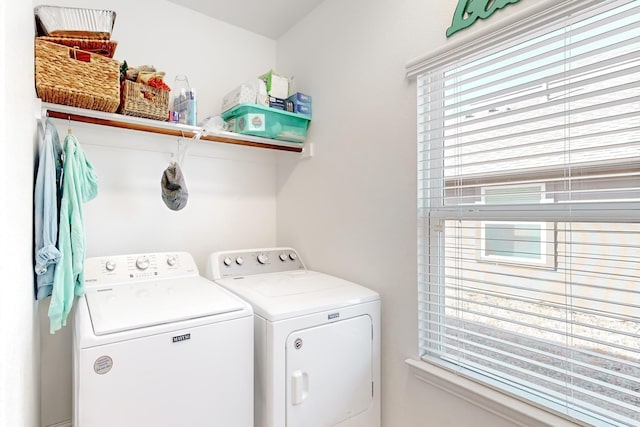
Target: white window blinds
[[529, 214]]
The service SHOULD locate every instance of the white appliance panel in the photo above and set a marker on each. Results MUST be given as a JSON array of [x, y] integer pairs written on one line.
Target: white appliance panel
[[279, 296], [329, 373], [251, 262], [157, 373], [135, 305]]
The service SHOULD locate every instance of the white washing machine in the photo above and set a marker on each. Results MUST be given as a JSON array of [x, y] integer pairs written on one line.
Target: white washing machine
[[155, 344], [317, 340]]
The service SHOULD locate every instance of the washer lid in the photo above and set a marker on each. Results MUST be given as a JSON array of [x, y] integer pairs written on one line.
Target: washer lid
[[137, 305], [278, 296]]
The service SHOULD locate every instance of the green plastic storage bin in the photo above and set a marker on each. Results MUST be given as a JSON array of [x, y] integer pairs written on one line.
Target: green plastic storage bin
[[256, 120]]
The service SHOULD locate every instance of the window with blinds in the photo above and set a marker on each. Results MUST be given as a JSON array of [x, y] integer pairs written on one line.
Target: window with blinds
[[529, 214]]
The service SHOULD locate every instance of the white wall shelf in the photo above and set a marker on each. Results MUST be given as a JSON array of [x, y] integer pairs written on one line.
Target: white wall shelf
[[164, 128]]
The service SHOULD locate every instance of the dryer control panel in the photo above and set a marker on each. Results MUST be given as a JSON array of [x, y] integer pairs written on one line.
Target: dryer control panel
[[252, 261], [109, 270]]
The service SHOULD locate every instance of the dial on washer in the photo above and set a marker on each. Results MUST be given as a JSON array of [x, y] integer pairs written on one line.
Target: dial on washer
[[142, 263]]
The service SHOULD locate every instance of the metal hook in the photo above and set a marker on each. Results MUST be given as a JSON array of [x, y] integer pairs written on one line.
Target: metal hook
[[69, 128], [182, 150], [177, 156], [183, 145]]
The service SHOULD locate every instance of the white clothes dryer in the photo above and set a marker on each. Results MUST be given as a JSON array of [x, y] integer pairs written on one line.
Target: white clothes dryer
[[317, 340], [156, 344]]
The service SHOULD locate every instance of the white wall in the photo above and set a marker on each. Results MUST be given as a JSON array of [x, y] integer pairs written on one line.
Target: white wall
[[351, 209], [232, 189], [18, 325]]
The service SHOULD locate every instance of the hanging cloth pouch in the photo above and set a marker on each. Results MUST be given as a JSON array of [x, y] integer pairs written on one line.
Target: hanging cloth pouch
[[174, 189]]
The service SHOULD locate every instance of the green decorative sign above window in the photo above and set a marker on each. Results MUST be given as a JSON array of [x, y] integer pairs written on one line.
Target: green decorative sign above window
[[469, 11]]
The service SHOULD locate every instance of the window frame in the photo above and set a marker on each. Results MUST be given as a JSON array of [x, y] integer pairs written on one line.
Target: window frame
[[546, 242], [546, 258], [431, 219]]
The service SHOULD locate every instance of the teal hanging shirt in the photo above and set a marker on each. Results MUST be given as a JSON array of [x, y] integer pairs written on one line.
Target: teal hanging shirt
[[79, 185]]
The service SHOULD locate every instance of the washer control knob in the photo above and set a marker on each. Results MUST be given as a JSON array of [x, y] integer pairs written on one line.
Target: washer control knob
[[227, 261], [239, 260], [263, 258], [283, 257], [110, 265], [171, 260], [293, 256], [142, 262]]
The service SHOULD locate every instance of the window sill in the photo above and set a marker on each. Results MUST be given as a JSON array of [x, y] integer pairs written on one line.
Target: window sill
[[491, 400]]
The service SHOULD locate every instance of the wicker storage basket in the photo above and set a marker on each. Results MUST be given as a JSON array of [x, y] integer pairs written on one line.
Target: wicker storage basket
[[101, 47], [63, 77], [141, 100]]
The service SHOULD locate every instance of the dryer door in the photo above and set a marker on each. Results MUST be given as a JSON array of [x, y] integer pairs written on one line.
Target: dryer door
[[329, 373]]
